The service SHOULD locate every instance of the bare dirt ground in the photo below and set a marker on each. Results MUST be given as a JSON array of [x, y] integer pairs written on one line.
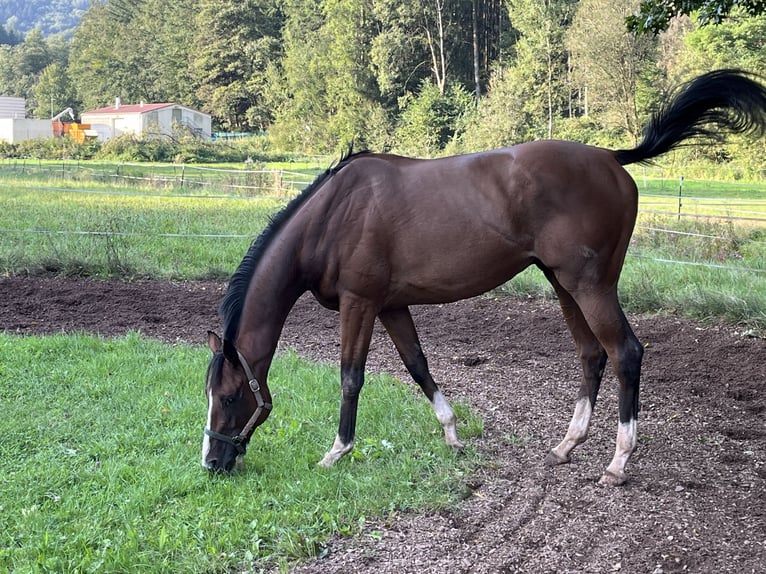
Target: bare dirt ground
[[696, 499]]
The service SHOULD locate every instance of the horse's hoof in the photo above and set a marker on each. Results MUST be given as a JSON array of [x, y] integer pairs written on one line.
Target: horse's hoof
[[612, 479], [327, 461], [552, 459], [457, 445]]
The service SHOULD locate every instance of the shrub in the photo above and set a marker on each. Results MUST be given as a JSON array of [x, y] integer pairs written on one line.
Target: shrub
[[430, 120]]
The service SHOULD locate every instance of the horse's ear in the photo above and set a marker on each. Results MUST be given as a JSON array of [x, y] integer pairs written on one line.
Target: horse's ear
[[213, 342], [230, 352]]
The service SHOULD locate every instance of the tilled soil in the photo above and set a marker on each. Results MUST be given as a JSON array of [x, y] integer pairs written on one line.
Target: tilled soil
[[696, 498]]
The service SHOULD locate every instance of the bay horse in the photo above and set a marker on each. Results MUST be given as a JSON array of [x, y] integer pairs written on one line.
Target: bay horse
[[377, 233]]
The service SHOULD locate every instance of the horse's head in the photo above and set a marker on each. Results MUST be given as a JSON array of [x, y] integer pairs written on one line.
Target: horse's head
[[236, 404]]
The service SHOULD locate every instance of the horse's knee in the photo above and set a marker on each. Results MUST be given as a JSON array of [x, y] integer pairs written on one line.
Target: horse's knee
[[351, 385]]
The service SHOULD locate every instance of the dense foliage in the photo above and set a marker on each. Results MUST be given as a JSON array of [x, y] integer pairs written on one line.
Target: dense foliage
[[656, 15], [49, 16], [424, 77]]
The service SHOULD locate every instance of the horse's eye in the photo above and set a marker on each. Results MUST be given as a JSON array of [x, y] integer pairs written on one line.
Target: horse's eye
[[228, 400]]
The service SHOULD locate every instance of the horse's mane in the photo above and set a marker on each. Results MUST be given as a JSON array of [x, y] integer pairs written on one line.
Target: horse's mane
[[230, 310]]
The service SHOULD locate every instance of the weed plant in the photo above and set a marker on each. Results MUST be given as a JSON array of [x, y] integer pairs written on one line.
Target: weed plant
[[100, 461]]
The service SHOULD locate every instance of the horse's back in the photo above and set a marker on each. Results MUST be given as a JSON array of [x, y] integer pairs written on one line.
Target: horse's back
[[443, 229]]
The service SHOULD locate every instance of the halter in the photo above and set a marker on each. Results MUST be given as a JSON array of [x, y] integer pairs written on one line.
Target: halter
[[238, 441]]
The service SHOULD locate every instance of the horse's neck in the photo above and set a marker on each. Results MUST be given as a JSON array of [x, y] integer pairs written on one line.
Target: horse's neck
[[273, 291]]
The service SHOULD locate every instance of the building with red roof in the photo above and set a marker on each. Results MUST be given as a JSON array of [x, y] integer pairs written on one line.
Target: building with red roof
[[163, 119]]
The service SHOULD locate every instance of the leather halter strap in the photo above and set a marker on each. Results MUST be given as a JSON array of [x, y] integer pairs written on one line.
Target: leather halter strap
[[239, 441]]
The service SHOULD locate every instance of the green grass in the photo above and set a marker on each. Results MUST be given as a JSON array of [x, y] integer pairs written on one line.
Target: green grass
[[650, 186], [102, 235], [100, 472], [704, 270], [188, 177]]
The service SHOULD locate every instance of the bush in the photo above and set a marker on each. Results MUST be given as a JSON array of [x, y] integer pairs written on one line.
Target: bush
[[49, 148], [179, 147], [429, 121]]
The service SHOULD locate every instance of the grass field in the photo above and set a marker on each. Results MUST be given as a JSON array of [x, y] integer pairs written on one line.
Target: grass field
[[100, 471]]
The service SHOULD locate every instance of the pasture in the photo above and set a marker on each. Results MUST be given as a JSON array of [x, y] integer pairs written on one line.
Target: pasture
[[100, 460], [695, 501], [708, 263], [101, 472]]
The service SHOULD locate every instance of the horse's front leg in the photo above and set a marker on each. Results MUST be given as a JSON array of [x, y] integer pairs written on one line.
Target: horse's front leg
[[357, 319], [401, 329]]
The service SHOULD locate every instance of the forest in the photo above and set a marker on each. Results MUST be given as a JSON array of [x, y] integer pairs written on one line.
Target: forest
[[424, 77]]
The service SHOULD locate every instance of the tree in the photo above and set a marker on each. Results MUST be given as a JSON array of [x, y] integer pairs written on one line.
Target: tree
[[235, 44], [399, 52], [330, 96], [10, 36], [539, 64], [431, 119], [54, 86], [122, 48], [20, 66], [655, 15], [610, 64], [737, 42], [446, 41], [101, 58]]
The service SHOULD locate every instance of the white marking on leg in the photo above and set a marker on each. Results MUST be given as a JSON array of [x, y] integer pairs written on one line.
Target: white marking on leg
[[205, 438], [336, 452], [446, 416], [577, 432], [626, 444]]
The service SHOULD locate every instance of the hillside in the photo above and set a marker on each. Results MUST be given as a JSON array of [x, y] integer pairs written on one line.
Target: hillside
[[51, 16]]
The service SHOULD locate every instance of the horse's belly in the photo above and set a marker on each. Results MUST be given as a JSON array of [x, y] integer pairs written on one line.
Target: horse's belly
[[453, 275]]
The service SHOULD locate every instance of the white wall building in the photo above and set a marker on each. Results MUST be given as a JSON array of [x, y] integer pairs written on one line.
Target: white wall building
[[16, 130], [12, 107], [16, 127], [144, 118]]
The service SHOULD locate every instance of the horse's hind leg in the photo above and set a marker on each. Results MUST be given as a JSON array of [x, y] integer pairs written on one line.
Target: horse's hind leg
[[401, 329], [596, 314], [608, 323], [593, 360]]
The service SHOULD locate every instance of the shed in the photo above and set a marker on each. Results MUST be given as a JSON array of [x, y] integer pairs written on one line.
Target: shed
[[15, 126], [145, 118], [15, 130]]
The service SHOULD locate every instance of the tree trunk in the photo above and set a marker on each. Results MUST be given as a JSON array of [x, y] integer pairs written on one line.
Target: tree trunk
[[476, 57], [438, 56]]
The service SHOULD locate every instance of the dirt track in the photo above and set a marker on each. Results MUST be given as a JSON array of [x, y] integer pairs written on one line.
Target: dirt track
[[696, 500]]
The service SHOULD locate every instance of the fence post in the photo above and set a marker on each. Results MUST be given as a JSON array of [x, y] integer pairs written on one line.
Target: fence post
[[680, 193], [183, 167]]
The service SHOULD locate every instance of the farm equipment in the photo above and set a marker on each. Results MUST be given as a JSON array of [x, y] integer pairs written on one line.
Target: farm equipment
[[76, 131]]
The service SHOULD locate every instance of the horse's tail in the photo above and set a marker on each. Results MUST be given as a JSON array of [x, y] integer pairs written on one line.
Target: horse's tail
[[711, 106]]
